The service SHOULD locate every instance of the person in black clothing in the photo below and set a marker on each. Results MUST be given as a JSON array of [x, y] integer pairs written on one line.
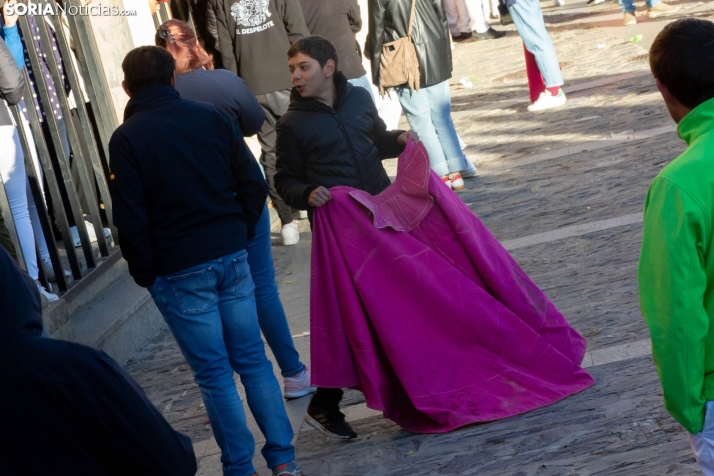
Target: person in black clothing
[[338, 21], [71, 408], [187, 196], [252, 37], [330, 136]]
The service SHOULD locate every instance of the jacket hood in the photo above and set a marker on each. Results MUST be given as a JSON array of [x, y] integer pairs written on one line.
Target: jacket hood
[[697, 123], [150, 96], [20, 305], [299, 103]]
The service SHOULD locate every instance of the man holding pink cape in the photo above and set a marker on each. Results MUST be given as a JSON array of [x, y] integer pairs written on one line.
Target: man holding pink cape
[[413, 301]]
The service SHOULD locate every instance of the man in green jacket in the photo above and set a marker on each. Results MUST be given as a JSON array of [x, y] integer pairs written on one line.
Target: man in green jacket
[[676, 269]]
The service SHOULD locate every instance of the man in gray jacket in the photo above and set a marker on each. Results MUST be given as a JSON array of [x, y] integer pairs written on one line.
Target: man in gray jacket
[[253, 38]]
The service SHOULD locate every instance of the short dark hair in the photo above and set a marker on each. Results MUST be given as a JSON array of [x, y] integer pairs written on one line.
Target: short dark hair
[[146, 66], [316, 47], [682, 58]]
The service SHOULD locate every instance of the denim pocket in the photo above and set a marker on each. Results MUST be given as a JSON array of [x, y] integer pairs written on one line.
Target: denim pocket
[[194, 291], [708, 417], [243, 285]]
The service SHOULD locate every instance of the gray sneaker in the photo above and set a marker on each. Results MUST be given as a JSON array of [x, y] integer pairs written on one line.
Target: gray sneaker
[[288, 469], [298, 385]]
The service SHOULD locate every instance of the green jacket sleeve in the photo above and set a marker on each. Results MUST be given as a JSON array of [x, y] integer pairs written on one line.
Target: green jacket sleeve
[[672, 283]]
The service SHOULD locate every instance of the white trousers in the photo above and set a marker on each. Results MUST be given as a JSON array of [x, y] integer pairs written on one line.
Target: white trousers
[[457, 16], [703, 442], [22, 205], [479, 10]]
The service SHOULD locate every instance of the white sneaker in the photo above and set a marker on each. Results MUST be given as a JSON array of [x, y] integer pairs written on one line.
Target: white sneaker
[[454, 181], [548, 101], [90, 233], [48, 295], [290, 234], [298, 385], [559, 3], [50, 270], [93, 236], [457, 183]]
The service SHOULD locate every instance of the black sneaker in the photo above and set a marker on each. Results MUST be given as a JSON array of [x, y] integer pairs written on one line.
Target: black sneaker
[[491, 34], [332, 424], [463, 37]]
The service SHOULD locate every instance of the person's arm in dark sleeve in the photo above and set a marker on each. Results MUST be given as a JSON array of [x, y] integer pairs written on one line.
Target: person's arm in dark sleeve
[[293, 19], [250, 187], [250, 115], [375, 36], [354, 16], [387, 142], [290, 177], [138, 436], [129, 209], [12, 81], [217, 26]]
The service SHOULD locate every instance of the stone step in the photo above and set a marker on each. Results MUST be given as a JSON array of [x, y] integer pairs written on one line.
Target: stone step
[[112, 314]]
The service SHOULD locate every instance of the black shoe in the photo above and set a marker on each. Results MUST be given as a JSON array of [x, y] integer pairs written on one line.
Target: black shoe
[[463, 37], [332, 424], [491, 34]]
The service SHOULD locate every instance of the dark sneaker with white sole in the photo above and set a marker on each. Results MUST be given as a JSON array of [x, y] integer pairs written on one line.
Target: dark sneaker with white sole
[[490, 34], [288, 469], [331, 423]]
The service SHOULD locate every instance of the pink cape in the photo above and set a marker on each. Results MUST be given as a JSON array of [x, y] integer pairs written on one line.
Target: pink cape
[[435, 323]]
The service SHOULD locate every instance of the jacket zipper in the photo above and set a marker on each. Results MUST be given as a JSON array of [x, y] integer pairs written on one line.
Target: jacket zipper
[[349, 144]]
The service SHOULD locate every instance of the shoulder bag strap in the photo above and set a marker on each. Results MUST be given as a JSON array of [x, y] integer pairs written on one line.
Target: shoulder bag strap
[[411, 20]]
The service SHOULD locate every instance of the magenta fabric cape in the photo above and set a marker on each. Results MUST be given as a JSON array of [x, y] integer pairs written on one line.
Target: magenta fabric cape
[[436, 324]]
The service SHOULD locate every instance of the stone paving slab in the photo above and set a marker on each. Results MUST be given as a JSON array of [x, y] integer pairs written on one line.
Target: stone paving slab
[[592, 280], [595, 114], [590, 186], [617, 427]]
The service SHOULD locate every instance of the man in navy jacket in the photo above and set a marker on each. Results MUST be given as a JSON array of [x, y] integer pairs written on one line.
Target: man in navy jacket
[[187, 196]]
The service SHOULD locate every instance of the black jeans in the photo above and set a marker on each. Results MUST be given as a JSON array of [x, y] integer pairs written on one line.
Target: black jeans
[[274, 104], [328, 398]]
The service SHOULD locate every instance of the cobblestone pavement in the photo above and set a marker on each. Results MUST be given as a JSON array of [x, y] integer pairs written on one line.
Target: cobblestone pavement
[[564, 190]]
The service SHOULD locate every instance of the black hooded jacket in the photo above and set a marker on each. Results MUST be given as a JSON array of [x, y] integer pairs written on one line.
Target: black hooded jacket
[[70, 409], [185, 187], [389, 21], [326, 146]]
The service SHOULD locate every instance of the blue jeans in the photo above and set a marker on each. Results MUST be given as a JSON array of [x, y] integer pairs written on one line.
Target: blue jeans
[[363, 82], [528, 19], [210, 309], [628, 5], [428, 111], [271, 315]]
